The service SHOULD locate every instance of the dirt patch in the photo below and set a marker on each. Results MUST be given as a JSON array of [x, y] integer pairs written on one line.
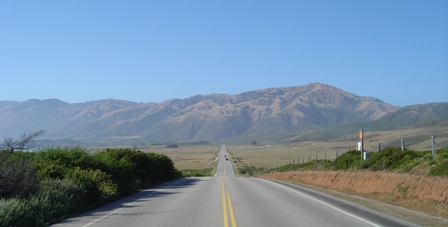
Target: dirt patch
[[389, 192]]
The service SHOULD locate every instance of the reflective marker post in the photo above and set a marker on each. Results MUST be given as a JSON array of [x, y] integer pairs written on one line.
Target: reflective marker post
[[361, 137]]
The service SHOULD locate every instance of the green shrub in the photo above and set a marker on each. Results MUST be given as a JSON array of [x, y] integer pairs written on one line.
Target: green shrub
[[348, 160], [53, 201], [198, 173], [57, 162], [441, 169], [65, 197], [97, 185], [250, 170], [307, 165], [67, 181], [135, 170], [17, 212], [66, 157], [18, 176]]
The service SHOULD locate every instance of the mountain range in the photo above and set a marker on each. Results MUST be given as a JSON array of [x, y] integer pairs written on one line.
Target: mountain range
[[209, 117]]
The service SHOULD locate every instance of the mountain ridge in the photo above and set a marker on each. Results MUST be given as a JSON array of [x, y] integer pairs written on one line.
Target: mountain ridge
[[200, 117]]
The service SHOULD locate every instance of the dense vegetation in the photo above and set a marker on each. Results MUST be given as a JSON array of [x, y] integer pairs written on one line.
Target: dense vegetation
[[198, 173], [45, 187], [390, 158]]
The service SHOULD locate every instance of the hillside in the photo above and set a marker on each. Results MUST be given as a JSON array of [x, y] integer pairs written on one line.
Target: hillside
[[415, 124], [201, 117]]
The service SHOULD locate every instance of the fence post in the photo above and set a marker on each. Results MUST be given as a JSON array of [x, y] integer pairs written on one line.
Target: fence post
[[336, 153], [379, 147], [303, 160], [434, 154], [325, 156], [309, 158], [316, 157], [402, 144]]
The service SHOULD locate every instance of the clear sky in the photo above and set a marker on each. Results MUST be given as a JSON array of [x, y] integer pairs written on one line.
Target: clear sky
[[152, 51]]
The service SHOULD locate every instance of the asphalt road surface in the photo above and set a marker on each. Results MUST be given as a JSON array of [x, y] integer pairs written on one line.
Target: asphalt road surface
[[226, 200]]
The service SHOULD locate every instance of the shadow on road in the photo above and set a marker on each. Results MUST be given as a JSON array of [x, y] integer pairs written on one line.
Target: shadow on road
[[137, 198]]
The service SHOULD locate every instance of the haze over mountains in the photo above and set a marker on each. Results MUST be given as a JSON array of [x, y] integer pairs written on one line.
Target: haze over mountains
[[203, 117]]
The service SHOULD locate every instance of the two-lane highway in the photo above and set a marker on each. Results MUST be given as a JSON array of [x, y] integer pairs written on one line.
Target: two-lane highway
[[226, 200]]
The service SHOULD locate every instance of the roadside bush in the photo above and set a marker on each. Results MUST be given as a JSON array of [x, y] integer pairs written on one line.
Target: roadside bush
[[441, 169], [288, 167], [442, 154], [249, 170], [18, 176], [17, 212], [348, 160], [135, 170], [65, 198], [207, 172], [162, 168], [67, 181], [307, 165], [97, 185], [65, 157], [54, 201]]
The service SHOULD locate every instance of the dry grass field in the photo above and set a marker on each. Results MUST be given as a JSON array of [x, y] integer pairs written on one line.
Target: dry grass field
[[268, 156], [188, 157], [273, 155], [200, 157]]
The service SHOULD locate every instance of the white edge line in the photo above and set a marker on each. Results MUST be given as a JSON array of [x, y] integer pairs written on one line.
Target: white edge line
[[130, 204], [326, 204]]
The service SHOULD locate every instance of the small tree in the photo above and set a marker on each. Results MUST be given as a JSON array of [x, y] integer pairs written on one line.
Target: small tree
[[254, 143], [17, 175], [25, 142]]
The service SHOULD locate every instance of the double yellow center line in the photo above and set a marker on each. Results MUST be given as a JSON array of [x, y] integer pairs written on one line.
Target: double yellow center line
[[226, 200]]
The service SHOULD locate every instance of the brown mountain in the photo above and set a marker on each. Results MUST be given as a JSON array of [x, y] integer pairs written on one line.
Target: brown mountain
[[201, 117]]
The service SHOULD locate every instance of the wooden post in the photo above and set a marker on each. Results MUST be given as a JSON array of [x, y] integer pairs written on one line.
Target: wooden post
[[316, 157], [379, 147], [336, 153], [325, 156], [434, 154]]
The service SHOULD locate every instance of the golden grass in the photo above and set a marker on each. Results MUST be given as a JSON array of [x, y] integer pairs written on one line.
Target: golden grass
[[273, 155], [200, 157], [190, 157]]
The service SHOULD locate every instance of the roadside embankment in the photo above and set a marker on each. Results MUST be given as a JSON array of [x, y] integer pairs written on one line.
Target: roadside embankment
[[428, 194]]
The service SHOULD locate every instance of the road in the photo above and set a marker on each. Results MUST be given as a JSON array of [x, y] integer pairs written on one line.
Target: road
[[227, 200]]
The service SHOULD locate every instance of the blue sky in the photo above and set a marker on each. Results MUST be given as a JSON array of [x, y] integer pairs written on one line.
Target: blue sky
[[152, 51]]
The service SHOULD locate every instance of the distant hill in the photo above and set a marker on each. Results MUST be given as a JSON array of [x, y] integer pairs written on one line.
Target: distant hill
[[416, 122], [7, 103], [208, 117]]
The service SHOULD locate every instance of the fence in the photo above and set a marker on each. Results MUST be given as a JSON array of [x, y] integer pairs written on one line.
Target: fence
[[363, 154]]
